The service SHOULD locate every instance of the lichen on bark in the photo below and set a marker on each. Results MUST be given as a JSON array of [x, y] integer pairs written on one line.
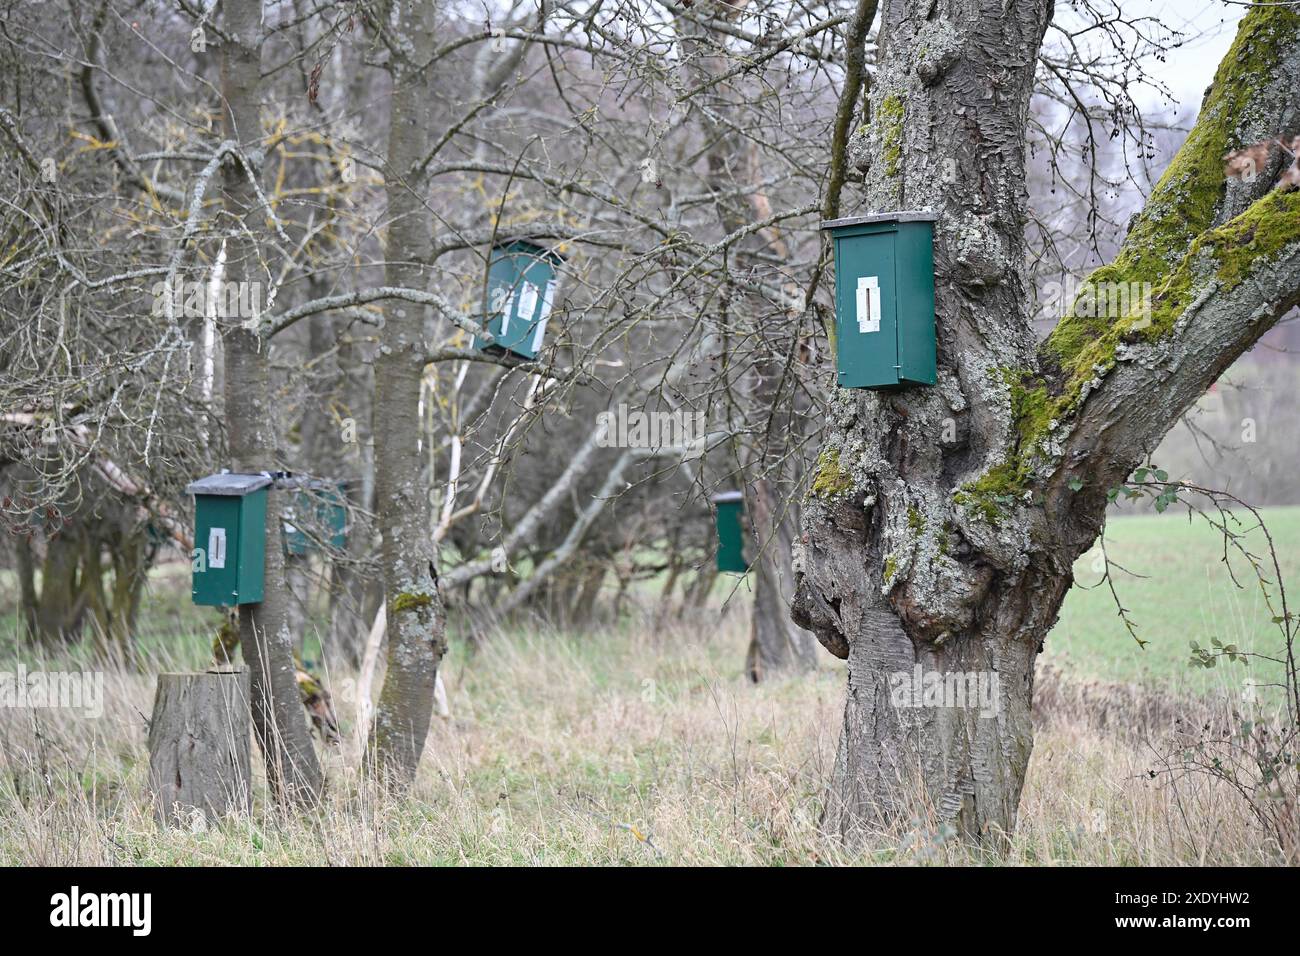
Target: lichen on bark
[[890, 117], [962, 556]]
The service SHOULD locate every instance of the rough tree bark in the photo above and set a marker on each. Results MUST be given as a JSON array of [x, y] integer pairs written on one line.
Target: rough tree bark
[[198, 746], [416, 619], [943, 522], [267, 644]]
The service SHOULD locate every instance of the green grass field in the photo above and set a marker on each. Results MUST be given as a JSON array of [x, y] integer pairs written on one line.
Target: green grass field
[[1180, 590], [643, 742], [1186, 594]]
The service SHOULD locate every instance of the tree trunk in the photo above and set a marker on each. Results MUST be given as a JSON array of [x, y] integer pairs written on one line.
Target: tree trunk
[[943, 522], [298, 582], [27, 597], [776, 642], [894, 576], [416, 620], [198, 746], [341, 390], [132, 556], [675, 566], [701, 586], [114, 611], [62, 603], [292, 768], [583, 606]]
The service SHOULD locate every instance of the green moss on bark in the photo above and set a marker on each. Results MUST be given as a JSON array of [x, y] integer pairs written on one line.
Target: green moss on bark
[[1034, 412], [407, 601], [1268, 229], [1160, 252], [1171, 252], [1258, 234], [890, 117], [915, 520], [830, 479], [994, 491]]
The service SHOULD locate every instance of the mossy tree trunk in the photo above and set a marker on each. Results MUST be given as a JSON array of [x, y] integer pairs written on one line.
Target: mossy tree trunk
[[944, 522], [416, 620]]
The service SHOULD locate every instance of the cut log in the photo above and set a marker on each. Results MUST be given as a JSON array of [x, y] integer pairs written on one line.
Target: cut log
[[199, 769]]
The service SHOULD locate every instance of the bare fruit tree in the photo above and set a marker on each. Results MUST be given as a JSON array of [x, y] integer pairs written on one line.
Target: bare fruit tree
[[945, 521]]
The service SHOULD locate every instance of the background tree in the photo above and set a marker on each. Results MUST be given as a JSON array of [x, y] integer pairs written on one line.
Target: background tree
[[265, 637]]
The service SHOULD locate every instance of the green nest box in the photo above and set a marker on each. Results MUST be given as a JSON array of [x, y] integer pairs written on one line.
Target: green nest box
[[229, 538], [729, 508], [884, 299], [314, 514], [520, 293]]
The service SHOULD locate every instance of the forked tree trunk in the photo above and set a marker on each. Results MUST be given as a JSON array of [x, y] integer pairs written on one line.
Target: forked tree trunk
[[944, 521]]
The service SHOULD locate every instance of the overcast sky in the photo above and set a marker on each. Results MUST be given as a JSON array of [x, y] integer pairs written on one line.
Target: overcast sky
[[1212, 24]]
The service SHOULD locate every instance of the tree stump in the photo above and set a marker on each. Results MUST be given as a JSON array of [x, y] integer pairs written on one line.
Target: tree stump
[[199, 768]]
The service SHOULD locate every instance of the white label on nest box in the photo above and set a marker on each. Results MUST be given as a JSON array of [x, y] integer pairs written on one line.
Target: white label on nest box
[[217, 548], [527, 302], [868, 304]]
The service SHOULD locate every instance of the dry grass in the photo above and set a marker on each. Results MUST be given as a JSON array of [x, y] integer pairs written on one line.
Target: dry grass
[[642, 746]]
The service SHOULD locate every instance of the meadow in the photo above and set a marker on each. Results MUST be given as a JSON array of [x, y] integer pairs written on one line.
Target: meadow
[[642, 743], [1177, 589]]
